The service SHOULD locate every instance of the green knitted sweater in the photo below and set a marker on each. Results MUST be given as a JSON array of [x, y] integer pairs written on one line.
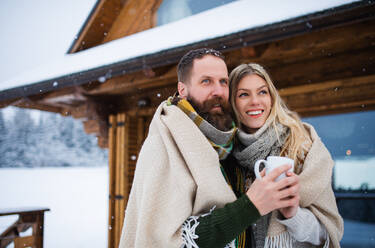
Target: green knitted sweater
[[225, 224]]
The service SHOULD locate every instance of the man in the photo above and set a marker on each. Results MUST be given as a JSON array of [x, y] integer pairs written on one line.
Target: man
[[180, 196]]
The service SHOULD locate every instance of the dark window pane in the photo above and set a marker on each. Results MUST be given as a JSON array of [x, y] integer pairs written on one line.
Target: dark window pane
[[351, 140], [172, 10]]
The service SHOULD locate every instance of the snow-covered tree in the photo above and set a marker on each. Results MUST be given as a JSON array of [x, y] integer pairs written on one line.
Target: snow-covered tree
[[3, 139], [52, 141], [20, 140], [66, 129], [3, 130]]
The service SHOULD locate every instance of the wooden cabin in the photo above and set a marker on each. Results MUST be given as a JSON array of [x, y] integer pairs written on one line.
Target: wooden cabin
[[322, 61]]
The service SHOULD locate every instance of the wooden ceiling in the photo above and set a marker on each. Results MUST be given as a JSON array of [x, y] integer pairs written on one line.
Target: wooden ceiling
[[318, 71]]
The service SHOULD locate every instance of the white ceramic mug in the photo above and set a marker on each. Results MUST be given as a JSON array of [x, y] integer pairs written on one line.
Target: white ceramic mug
[[271, 163]]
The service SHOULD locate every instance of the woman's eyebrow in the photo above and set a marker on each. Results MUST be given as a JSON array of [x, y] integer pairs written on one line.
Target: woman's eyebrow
[[262, 87], [248, 89]]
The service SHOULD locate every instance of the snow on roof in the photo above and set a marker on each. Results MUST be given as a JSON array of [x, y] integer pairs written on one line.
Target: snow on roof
[[226, 19]]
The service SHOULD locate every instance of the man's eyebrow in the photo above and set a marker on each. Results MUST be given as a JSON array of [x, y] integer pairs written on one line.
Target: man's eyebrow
[[207, 76]]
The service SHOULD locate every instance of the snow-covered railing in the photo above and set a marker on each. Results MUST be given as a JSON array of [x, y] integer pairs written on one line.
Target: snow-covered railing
[[27, 218]]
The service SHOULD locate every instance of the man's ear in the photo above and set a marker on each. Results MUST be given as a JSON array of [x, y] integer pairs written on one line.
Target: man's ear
[[182, 90]]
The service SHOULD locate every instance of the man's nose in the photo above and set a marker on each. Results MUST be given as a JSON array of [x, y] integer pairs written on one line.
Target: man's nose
[[219, 89]]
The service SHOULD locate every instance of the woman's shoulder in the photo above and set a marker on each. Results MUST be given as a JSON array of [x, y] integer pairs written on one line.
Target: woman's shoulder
[[311, 131], [317, 145]]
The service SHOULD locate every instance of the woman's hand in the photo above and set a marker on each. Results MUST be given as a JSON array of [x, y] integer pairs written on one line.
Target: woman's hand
[[289, 212], [268, 195]]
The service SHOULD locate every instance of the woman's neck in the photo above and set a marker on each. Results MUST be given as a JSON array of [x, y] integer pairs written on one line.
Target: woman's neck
[[248, 130]]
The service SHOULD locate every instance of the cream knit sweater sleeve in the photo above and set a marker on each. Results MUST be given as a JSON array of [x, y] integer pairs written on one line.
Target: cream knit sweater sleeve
[[305, 227]]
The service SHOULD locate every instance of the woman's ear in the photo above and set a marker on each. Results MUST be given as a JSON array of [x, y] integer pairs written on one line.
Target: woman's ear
[[182, 90]]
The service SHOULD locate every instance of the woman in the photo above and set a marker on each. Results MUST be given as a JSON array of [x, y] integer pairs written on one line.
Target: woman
[[267, 127]]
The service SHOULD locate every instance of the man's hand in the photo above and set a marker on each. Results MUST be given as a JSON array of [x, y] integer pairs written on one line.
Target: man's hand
[[268, 195], [289, 212]]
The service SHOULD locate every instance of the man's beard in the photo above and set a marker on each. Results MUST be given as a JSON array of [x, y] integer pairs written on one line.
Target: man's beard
[[221, 120]]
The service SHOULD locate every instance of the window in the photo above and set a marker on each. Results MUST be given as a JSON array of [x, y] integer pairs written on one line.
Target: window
[[172, 10], [351, 140]]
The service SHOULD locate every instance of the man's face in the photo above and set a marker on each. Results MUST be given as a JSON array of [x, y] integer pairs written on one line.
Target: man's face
[[208, 91]]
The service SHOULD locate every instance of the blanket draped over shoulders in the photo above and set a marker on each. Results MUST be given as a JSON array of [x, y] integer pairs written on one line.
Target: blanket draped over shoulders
[[177, 175]]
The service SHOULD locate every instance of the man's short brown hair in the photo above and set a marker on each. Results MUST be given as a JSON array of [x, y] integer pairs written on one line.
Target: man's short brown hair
[[186, 63]]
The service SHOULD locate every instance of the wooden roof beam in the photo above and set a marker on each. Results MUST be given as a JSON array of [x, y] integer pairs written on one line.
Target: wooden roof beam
[[246, 52], [29, 104], [340, 108], [334, 96], [349, 64], [134, 82], [7, 103], [328, 85], [154, 98], [321, 43]]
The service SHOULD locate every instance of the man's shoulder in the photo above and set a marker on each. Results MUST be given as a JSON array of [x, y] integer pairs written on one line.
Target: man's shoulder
[[166, 121], [166, 109]]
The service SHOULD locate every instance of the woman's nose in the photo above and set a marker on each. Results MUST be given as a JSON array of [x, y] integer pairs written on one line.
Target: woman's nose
[[253, 100]]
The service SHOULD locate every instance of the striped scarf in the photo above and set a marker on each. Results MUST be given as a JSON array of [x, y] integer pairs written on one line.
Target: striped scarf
[[221, 141]]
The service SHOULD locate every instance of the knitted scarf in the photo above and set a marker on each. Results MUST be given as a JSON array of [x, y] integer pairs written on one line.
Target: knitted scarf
[[221, 141], [252, 147], [263, 143]]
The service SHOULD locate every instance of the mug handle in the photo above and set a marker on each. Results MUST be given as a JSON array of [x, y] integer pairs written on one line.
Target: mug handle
[[256, 167]]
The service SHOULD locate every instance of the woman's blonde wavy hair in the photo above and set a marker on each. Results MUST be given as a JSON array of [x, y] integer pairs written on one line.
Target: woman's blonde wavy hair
[[298, 140]]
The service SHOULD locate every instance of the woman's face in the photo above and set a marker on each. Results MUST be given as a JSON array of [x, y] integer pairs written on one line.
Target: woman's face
[[253, 102]]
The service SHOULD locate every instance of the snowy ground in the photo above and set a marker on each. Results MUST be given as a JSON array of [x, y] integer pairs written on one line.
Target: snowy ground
[[77, 197]]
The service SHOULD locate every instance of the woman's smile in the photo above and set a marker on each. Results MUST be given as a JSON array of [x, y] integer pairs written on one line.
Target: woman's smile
[[255, 113]]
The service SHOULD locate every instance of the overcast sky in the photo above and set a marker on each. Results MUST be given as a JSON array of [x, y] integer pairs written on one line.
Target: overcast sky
[[34, 32]]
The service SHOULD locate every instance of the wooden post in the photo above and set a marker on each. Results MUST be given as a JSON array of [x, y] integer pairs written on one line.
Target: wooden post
[[112, 172], [120, 168], [38, 229], [126, 135], [124, 189]]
